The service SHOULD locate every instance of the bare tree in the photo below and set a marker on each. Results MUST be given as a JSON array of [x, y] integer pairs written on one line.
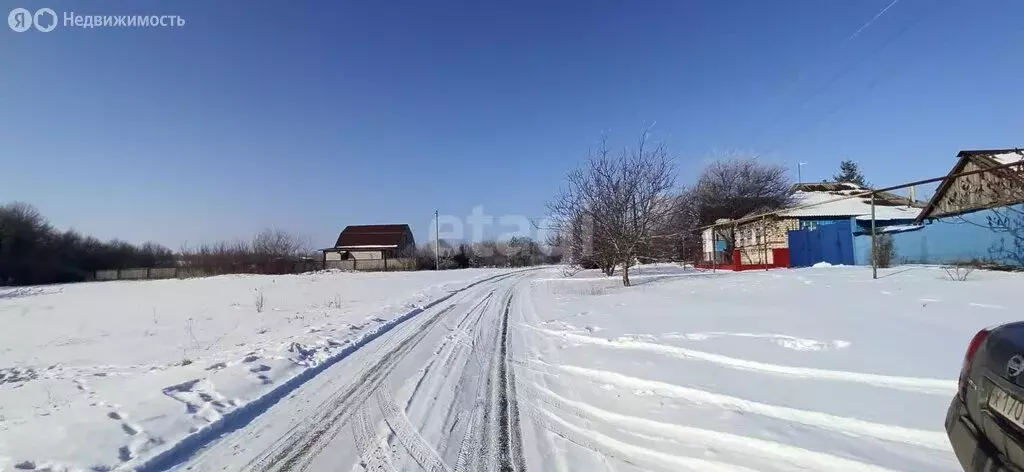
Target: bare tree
[[732, 188], [269, 251], [616, 208], [736, 187], [273, 243]]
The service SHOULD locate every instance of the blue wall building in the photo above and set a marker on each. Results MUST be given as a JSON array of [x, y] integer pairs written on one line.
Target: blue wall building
[[959, 238]]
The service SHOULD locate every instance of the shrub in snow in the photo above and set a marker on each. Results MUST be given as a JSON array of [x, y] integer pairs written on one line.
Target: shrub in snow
[[260, 301], [958, 272], [885, 250]]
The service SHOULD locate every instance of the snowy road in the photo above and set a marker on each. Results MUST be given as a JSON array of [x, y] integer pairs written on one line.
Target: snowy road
[[534, 371], [435, 393]]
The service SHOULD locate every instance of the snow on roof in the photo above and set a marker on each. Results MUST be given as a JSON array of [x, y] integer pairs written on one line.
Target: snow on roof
[[821, 204], [1009, 157], [898, 228]]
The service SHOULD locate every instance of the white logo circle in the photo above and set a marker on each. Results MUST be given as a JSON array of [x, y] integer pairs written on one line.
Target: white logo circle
[[1015, 366], [39, 24], [20, 20]]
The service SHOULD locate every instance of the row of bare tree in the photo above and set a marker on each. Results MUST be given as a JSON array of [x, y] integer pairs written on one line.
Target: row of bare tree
[[625, 207], [269, 251]]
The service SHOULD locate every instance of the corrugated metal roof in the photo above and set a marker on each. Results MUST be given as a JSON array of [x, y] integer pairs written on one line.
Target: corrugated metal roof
[[373, 235], [821, 204]]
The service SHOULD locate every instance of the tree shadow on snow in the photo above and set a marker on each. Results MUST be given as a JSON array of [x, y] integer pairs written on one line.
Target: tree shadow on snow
[[898, 272]]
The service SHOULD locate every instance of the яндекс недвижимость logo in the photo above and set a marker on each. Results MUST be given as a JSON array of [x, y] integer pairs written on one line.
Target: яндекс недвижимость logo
[[44, 19]]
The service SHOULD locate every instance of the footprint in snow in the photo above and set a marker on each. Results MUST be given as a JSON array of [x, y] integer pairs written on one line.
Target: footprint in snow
[[128, 428], [217, 366], [259, 368], [201, 400]]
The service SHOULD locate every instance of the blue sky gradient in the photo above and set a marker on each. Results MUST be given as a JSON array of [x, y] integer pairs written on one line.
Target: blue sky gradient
[[311, 117]]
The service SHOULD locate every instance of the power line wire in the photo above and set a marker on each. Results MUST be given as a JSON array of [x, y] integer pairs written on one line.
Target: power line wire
[[835, 109], [872, 20], [889, 40]]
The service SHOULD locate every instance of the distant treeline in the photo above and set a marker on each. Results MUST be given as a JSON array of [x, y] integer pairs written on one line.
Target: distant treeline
[[33, 252]]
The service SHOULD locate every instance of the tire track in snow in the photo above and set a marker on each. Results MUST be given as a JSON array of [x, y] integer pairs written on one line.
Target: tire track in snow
[[373, 456], [912, 384], [475, 387], [418, 448], [456, 339], [510, 441], [766, 452], [302, 446], [465, 450], [464, 338], [194, 447], [840, 424], [527, 313], [493, 443], [606, 446]]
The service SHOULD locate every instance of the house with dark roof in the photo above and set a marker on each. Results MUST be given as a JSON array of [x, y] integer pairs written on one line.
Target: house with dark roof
[[371, 242]]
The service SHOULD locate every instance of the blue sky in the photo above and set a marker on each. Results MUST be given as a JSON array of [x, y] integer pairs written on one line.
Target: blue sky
[[316, 116]]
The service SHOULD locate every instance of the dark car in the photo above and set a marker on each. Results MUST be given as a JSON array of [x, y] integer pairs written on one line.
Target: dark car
[[985, 421]]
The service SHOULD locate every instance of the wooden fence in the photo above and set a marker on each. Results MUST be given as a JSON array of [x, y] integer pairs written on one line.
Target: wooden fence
[[278, 267]]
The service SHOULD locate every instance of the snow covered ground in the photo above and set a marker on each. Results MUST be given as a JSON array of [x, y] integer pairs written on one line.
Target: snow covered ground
[[809, 369], [96, 376]]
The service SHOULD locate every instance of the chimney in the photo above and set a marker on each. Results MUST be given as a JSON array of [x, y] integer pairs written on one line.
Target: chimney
[[912, 193]]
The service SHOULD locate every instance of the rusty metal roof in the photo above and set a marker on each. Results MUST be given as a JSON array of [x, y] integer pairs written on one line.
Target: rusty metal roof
[[374, 235]]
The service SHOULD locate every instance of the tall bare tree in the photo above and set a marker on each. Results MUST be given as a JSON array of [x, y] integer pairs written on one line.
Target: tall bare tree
[[618, 205], [736, 187], [272, 243]]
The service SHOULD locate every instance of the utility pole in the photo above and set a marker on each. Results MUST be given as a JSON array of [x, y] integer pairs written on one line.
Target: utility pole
[[764, 240], [874, 258], [437, 241]]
